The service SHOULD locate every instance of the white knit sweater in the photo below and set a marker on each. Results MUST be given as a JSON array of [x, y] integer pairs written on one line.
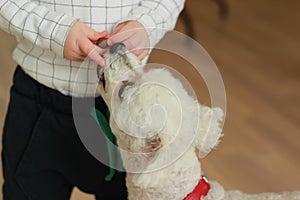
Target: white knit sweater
[[41, 27]]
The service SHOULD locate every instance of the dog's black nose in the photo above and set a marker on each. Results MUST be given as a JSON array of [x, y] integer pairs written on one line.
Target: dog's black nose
[[116, 47]]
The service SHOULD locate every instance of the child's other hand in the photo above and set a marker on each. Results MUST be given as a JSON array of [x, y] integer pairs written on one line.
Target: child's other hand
[[80, 43], [133, 35]]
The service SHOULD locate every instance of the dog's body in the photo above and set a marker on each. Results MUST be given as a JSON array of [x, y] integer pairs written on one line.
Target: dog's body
[[162, 132], [164, 129]]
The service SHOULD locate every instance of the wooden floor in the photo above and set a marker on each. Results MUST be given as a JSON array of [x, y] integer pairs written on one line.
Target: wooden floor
[[257, 51]]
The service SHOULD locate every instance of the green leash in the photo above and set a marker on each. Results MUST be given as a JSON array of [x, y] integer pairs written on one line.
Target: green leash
[[110, 138]]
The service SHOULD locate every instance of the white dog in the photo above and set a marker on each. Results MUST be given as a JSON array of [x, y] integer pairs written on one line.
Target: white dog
[[162, 132]]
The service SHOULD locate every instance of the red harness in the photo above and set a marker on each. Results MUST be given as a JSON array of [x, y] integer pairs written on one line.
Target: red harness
[[200, 190]]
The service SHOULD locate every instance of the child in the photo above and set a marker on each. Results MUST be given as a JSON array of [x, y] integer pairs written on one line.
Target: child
[[43, 157]]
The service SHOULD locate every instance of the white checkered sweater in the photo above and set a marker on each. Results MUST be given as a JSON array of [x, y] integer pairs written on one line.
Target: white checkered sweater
[[41, 27]]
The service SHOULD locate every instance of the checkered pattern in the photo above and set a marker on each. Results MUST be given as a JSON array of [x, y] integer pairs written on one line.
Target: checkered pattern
[[41, 27]]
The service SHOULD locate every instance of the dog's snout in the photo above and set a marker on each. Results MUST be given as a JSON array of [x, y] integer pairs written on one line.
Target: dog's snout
[[116, 47]]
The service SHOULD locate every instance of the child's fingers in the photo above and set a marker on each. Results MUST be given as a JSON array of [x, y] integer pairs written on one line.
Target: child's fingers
[[94, 35], [119, 37], [103, 34], [119, 27], [95, 56], [92, 51]]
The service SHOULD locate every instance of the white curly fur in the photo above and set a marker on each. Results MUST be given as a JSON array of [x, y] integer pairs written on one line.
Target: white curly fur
[[169, 130]]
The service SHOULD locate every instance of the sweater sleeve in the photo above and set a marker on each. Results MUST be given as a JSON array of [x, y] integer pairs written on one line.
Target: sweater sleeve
[[157, 17], [27, 20]]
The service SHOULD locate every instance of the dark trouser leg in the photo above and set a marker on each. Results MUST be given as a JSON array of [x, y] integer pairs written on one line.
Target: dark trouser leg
[[43, 156], [26, 158]]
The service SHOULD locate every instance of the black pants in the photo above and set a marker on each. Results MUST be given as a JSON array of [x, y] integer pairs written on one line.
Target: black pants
[[43, 157]]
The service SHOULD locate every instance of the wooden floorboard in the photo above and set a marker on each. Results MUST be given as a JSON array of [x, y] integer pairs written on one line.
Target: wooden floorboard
[[257, 50]]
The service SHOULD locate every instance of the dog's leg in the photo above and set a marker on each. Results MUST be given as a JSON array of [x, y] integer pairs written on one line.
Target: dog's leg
[[209, 131]]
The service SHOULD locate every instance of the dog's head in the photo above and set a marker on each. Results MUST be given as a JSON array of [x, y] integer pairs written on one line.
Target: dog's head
[[118, 82]]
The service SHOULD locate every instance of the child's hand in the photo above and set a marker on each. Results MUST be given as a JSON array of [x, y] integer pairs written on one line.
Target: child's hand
[[80, 43], [133, 35]]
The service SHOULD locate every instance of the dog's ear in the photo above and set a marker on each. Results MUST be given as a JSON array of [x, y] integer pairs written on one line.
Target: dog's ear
[[210, 130]]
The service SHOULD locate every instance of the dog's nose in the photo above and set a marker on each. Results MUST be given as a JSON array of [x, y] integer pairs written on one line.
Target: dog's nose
[[116, 47]]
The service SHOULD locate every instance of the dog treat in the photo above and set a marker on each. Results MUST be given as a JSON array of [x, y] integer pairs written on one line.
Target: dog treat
[[102, 42]]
